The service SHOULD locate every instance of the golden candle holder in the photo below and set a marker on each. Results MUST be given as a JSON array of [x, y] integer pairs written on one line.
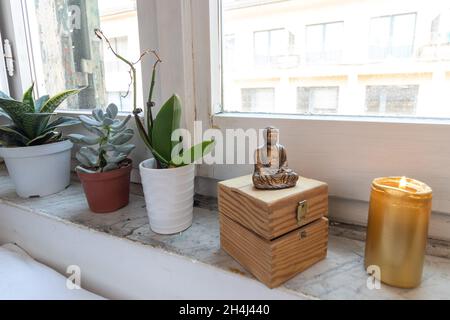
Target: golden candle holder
[[397, 234]]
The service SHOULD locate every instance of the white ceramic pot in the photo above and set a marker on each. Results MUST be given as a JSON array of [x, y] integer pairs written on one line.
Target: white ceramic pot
[[169, 195], [41, 170]]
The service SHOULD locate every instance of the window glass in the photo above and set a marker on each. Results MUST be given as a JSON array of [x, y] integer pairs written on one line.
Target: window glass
[[374, 57], [317, 100], [258, 99], [66, 54], [392, 100]]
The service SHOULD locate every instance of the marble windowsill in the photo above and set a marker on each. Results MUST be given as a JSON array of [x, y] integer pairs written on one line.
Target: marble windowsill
[[340, 276]]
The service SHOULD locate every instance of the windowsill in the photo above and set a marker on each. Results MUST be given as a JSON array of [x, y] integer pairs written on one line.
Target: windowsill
[[334, 118], [340, 276]]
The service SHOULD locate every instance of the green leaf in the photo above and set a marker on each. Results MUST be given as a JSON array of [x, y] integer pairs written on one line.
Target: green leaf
[[110, 167], [46, 138], [98, 115], [115, 159], [90, 121], [33, 123], [84, 170], [82, 140], [91, 154], [119, 125], [112, 111], [125, 149], [4, 114], [107, 148], [61, 122], [16, 110], [107, 122], [53, 103], [193, 154], [28, 98], [98, 132], [14, 136], [145, 138], [40, 103], [84, 161], [166, 122], [120, 139]]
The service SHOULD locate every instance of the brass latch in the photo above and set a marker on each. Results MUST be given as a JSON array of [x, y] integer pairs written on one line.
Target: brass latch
[[302, 211]]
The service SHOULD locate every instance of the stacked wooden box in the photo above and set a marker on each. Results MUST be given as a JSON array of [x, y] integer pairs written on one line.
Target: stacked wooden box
[[275, 235]]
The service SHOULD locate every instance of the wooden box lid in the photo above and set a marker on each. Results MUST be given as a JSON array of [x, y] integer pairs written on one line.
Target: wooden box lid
[[273, 213]]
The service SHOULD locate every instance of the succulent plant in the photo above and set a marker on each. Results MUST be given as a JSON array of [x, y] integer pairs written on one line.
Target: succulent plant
[[107, 149], [31, 122]]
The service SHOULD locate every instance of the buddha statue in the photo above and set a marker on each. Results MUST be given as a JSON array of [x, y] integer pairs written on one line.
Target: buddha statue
[[271, 169]]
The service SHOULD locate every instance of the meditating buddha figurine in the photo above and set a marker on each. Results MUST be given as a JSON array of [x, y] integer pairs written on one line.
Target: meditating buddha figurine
[[271, 169]]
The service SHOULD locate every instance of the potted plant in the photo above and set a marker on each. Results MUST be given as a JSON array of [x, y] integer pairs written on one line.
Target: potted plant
[[36, 156], [168, 178], [105, 167]]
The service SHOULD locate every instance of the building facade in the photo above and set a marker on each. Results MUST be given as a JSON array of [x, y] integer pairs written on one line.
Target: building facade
[[348, 57]]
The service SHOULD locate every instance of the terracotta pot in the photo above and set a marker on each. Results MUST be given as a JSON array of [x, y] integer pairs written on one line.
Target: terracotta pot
[[109, 191]]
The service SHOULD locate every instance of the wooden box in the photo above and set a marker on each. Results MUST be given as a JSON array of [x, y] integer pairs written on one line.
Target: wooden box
[[274, 234]]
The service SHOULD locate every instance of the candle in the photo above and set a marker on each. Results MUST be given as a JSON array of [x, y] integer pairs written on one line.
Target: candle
[[397, 234]]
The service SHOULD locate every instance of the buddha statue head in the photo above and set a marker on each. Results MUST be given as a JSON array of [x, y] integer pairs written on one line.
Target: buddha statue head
[[272, 136]]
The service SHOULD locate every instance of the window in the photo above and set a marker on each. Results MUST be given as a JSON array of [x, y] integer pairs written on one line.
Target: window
[[66, 53], [258, 100], [392, 36], [361, 44], [3, 76], [440, 29], [324, 42], [229, 49], [318, 100], [393, 100], [271, 45]]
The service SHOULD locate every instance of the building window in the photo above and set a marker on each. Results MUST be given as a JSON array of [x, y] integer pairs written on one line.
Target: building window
[[392, 36], [258, 99], [324, 42], [317, 100], [270, 46], [392, 100], [229, 46]]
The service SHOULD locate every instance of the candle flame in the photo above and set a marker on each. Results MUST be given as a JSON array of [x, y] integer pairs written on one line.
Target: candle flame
[[403, 183]]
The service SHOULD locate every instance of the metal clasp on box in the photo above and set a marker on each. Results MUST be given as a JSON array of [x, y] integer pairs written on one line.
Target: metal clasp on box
[[302, 211]]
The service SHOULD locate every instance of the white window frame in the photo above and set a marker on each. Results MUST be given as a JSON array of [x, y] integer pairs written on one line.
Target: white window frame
[[346, 152], [3, 75]]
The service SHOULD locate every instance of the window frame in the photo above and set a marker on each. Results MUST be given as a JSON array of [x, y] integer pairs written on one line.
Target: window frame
[[330, 156], [324, 26], [4, 86], [391, 33]]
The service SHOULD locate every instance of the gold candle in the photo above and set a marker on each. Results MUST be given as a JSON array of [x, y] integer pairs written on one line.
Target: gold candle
[[397, 234]]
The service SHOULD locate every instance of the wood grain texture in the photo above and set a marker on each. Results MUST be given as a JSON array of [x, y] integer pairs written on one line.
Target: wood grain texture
[[275, 262], [272, 214]]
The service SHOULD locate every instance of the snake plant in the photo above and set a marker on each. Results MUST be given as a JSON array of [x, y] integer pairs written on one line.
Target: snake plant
[[30, 120], [108, 148]]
